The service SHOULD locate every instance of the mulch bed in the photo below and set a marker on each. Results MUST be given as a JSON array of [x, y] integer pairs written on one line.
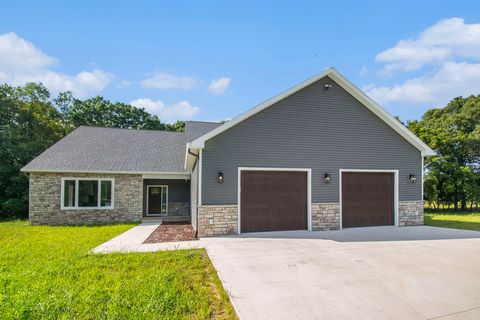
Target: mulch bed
[[172, 231]]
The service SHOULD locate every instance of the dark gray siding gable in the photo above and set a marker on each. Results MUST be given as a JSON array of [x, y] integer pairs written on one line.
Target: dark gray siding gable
[[325, 130]]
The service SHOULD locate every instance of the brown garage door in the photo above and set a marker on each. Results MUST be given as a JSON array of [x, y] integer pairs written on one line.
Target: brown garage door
[[367, 199], [273, 201]]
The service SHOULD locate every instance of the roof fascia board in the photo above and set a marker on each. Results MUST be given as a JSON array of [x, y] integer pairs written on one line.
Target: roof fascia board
[[167, 176], [186, 174]]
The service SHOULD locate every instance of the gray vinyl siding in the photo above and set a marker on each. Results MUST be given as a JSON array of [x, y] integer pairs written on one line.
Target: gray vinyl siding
[[325, 130], [194, 195]]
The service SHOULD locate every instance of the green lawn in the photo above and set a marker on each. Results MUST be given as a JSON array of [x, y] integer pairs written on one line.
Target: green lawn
[[458, 220], [48, 273]]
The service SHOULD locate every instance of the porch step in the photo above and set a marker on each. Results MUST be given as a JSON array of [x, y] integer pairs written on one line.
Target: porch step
[[152, 220], [176, 219]]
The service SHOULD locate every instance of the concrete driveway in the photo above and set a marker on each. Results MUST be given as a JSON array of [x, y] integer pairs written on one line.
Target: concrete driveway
[[359, 273]]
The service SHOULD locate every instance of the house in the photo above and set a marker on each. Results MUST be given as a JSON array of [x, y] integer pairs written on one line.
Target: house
[[319, 156]]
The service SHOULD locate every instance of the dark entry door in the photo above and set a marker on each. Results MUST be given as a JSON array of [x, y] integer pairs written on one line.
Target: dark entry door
[[367, 199], [157, 200], [273, 201]]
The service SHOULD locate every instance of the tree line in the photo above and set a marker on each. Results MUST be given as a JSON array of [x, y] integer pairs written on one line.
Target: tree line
[[452, 177], [31, 121]]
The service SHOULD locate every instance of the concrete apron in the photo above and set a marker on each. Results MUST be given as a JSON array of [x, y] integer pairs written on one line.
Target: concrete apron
[[359, 273]]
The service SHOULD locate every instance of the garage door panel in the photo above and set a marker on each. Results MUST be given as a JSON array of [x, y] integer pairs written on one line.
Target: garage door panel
[[367, 199], [273, 200]]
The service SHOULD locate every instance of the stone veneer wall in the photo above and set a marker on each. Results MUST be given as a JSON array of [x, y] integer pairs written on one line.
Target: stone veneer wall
[[410, 213], [44, 200], [325, 216], [217, 220]]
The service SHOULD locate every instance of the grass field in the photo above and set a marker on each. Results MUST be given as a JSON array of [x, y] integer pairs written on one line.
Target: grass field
[[458, 220], [48, 273]]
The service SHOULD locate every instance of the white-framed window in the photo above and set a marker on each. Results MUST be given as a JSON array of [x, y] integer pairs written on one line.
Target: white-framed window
[[87, 193]]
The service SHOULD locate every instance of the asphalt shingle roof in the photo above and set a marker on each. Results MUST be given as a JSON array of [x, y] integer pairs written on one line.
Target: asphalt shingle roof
[[120, 150], [196, 129]]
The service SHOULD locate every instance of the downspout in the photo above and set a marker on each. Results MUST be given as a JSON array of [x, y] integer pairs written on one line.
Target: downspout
[[193, 169]]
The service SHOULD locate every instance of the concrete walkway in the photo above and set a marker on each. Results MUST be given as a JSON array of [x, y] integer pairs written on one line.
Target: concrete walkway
[[132, 240], [359, 273]]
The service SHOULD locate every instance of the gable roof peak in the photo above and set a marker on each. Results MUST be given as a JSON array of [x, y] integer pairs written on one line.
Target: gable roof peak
[[343, 82]]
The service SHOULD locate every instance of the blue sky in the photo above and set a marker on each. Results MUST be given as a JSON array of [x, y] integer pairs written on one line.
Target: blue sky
[[208, 60]]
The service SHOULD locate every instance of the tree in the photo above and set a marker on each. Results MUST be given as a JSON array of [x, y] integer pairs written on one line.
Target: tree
[[454, 133], [178, 126], [29, 124], [100, 112]]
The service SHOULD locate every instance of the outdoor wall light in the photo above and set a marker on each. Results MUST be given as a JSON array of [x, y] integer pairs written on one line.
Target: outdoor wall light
[[327, 85], [412, 178], [327, 178], [220, 177]]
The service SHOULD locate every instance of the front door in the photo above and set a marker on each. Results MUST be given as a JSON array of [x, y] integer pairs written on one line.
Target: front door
[[157, 200]]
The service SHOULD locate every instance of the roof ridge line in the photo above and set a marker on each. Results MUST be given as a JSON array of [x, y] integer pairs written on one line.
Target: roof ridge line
[[128, 129]]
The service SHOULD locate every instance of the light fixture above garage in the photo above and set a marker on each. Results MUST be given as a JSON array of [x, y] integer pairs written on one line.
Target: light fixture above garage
[[327, 178], [412, 178], [220, 177]]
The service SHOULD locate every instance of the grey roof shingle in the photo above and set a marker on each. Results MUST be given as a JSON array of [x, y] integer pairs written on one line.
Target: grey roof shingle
[[120, 150], [196, 129]]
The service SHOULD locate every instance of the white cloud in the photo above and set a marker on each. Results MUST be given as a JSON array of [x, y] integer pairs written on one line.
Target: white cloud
[[446, 57], [182, 110], [19, 55], [165, 81], [22, 62], [448, 39], [219, 86], [451, 80]]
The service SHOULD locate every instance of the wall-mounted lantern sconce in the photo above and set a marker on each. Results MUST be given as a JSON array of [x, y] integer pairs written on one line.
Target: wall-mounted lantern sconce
[[327, 178], [327, 86], [220, 177], [412, 178]]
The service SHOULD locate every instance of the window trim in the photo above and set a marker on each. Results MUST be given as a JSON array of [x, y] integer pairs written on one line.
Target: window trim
[[77, 179]]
